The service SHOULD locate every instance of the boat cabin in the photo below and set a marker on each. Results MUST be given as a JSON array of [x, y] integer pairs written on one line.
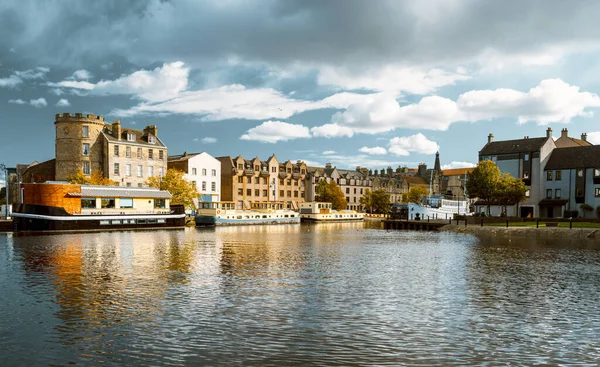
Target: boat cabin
[[315, 208]]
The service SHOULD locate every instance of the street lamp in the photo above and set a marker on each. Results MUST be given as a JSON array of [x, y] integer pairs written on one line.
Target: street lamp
[[3, 168]]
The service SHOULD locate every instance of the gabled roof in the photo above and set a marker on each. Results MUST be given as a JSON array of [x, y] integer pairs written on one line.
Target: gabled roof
[[414, 180], [141, 137], [574, 157], [513, 146], [567, 141]]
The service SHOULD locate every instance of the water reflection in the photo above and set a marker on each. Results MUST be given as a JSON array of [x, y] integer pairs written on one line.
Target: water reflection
[[324, 294]]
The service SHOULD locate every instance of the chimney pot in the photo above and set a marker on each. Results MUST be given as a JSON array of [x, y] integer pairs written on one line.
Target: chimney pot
[[584, 136], [564, 133], [549, 132], [490, 138]]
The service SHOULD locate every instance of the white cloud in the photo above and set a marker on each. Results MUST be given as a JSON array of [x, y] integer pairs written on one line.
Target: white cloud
[[274, 131], [57, 91], [332, 131], [209, 140], [81, 74], [373, 151], [458, 165], [63, 103], [594, 137], [37, 73], [38, 103], [363, 160], [10, 82], [415, 143], [161, 84], [329, 152], [17, 101], [390, 78]]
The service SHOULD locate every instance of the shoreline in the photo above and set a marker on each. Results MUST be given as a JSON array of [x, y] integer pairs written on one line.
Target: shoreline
[[542, 232]]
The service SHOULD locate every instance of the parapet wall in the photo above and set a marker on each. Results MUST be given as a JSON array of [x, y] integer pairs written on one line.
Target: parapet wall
[[79, 117]]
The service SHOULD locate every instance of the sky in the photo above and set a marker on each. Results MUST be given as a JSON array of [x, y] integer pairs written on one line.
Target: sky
[[354, 83]]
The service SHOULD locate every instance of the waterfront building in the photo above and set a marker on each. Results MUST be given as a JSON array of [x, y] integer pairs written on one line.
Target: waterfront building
[[248, 181], [454, 181], [353, 183], [203, 170]]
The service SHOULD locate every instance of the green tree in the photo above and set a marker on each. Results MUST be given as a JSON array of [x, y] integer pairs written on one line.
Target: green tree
[[509, 191], [483, 182], [586, 208], [331, 193], [377, 201], [415, 194], [96, 178], [182, 190]]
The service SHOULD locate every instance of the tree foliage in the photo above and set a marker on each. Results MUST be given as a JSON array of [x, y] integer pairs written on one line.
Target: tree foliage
[[586, 208], [483, 182], [331, 193], [377, 201], [182, 191], [96, 178], [415, 194], [509, 191]]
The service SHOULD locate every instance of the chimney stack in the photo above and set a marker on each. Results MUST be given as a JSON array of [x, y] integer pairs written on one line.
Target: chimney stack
[[152, 129], [549, 132], [116, 129], [490, 138], [328, 165], [584, 136], [564, 133]]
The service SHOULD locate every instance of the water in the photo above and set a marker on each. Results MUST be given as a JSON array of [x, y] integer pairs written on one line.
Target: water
[[322, 295]]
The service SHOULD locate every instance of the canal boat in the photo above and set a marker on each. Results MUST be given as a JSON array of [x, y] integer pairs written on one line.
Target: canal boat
[[211, 213], [323, 212], [437, 207], [58, 206]]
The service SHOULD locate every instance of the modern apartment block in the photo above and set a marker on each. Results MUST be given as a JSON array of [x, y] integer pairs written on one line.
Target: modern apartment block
[[203, 170], [246, 181]]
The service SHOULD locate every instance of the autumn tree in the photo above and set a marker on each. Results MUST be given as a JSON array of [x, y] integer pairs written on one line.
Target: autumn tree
[[183, 191], [509, 191], [483, 182], [96, 178], [415, 194], [377, 201], [331, 193]]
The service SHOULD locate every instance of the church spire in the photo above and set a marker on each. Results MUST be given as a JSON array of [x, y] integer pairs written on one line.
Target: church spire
[[437, 168]]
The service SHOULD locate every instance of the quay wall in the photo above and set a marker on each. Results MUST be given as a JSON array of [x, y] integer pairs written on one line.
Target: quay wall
[[542, 232]]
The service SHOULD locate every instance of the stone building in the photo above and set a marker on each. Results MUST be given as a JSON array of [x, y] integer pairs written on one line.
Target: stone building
[[203, 170], [454, 181], [352, 183], [246, 181], [124, 155]]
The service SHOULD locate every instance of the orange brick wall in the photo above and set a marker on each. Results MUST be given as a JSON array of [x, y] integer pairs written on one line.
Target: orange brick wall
[[53, 195]]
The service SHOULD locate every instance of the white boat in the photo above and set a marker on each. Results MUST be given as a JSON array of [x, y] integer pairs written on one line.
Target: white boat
[[211, 213], [436, 207], [323, 212]]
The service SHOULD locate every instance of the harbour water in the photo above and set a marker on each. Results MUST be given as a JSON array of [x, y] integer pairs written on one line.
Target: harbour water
[[347, 294]]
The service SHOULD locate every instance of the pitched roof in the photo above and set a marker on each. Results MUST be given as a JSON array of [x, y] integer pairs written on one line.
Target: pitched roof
[[567, 141], [457, 171], [141, 137], [413, 180], [513, 146], [574, 157], [181, 157]]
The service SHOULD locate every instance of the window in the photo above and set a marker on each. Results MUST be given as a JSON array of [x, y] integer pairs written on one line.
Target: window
[[140, 185], [347, 190], [355, 191], [116, 169], [128, 170], [85, 149], [116, 150], [295, 194], [139, 153], [203, 171], [549, 194], [580, 172], [289, 193], [194, 171], [289, 182], [265, 193], [557, 175], [128, 152], [256, 180], [130, 137], [596, 172], [160, 203], [296, 182], [213, 172], [128, 184], [240, 192], [248, 192], [274, 169], [579, 193], [257, 192], [203, 185], [150, 153], [140, 171], [549, 176], [194, 183], [213, 186], [151, 140], [88, 203], [161, 154], [264, 180], [150, 171], [557, 193], [126, 203], [107, 203], [347, 199], [86, 168], [85, 131], [240, 166], [240, 179], [597, 192], [525, 175], [281, 182], [161, 172], [527, 193], [526, 157]]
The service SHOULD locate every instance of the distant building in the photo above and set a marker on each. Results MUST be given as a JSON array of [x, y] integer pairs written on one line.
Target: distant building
[[454, 181], [203, 170], [353, 183]]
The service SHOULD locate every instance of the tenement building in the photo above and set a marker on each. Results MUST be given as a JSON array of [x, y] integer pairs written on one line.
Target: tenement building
[[203, 170], [352, 183], [247, 181]]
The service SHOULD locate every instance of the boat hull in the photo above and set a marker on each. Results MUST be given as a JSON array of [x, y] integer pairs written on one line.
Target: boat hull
[[32, 222], [211, 220]]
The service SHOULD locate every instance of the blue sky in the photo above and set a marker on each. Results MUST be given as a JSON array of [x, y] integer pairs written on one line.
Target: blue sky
[[371, 83]]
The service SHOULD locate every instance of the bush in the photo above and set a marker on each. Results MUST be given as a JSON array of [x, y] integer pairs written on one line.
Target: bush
[[503, 214], [482, 214], [571, 214]]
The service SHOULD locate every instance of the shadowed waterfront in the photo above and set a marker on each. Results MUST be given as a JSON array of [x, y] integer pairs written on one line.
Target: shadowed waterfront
[[332, 294]]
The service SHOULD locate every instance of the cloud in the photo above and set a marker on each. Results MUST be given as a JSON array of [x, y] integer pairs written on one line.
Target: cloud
[[17, 101], [274, 131], [332, 131], [38, 103], [57, 91], [161, 84], [594, 137], [37, 73], [373, 151], [458, 165], [209, 140], [81, 74], [362, 160], [63, 103], [329, 152], [418, 143], [10, 82]]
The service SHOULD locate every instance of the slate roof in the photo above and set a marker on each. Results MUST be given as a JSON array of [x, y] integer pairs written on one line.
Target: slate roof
[[141, 137], [513, 146], [574, 157], [181, 157]]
